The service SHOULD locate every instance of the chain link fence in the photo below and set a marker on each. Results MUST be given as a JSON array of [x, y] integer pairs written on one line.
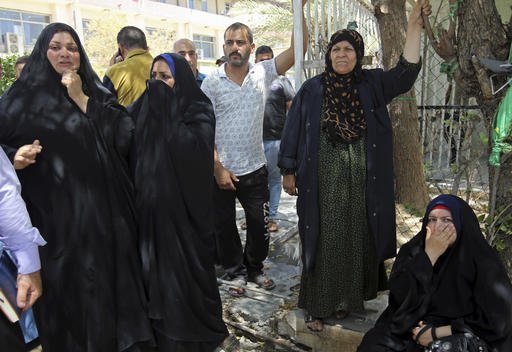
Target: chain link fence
[[452, 130]]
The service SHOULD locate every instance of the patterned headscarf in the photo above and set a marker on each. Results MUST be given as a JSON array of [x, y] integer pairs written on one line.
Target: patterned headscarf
[[343, 116]]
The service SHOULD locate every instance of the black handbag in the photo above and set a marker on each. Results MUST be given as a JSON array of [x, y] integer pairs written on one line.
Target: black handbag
[[460, 342]]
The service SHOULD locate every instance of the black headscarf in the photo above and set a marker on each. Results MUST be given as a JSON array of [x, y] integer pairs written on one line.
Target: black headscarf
[[174, 139], [343, 116], [80, 196], [38, 71], [467, 287]]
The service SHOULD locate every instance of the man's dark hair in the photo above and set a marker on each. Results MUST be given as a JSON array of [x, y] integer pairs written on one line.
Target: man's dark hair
[[132, 38], [21, 60], [264, 49], [240, 26]]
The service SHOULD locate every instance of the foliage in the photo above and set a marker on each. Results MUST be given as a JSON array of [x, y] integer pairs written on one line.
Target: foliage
[[499, 227], [160, 41], [100, 40], [271, 22], [8, 76]]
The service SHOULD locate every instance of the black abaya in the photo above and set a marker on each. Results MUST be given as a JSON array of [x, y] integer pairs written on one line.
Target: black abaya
[[468, 287], [174, 142], [80, 196]]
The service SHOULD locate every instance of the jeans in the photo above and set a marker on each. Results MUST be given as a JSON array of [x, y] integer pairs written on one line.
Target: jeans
[[274, 176], [8, 276], [252, 193]]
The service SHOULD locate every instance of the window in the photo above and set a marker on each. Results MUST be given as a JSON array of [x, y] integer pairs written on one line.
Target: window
[[86, 24], [151, 30], [191, 4], [205, 46], [204, 5], [20, 30]]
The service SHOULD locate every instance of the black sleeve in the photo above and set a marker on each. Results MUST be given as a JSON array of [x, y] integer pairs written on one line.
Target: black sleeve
[[399, 79], [114, 123], [107, 83], [409, 285]]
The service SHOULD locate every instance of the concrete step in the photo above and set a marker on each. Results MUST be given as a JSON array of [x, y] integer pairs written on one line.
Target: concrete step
[[342, 335]]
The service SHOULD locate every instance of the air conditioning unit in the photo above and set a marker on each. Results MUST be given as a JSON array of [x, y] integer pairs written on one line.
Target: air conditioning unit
[[13, 43]]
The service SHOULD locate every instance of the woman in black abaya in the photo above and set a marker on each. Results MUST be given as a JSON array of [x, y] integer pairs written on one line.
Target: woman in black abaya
[[80, 196], [445, 281], [174, 142]]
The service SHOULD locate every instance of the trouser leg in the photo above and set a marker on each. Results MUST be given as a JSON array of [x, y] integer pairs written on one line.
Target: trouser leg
[[253, 195], [274, 176], [227, 239]]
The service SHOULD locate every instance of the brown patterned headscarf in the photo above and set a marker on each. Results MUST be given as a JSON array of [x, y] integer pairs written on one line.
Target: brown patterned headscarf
[[343, 116]]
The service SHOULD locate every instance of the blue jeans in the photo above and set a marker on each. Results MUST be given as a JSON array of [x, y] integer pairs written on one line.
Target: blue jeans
[[274, 176], [8, 284]]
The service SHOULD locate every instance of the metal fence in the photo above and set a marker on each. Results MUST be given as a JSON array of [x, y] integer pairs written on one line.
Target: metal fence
[[453, 134]]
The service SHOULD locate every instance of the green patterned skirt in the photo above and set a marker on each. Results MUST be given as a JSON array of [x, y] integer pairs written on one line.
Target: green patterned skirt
[[346, 270]]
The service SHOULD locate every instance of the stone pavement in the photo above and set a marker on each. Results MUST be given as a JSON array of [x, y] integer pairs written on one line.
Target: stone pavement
[[270, 320]]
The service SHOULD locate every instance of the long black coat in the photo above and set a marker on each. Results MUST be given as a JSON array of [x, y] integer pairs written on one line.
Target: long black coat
[[80, 196], [174, 142], [300, 145]]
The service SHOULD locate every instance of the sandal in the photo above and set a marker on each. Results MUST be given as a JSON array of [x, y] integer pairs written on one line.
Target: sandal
[[263, 281], [237, 290], [313, 324], [272, 226]]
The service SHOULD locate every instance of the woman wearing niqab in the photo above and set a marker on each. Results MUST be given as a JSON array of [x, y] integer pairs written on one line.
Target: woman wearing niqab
[[78, 194], [174, 143], [464, 289]]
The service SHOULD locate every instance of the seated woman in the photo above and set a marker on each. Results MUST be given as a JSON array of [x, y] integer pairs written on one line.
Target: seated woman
[[174, 141], [446, 280]]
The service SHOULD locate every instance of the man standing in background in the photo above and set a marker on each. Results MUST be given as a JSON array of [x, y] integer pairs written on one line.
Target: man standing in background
[[279, 98], [237, 92], [127, 78], [186, 48]]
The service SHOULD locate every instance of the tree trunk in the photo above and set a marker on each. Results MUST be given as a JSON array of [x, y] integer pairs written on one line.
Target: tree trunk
[[481, 33], [411, 188]]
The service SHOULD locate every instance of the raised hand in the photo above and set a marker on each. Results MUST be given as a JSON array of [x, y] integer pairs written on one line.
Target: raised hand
[[72, 81], [421, 8], [439, 237]]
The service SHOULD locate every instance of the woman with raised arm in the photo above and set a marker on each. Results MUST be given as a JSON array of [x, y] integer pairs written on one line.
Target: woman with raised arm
[[336, 155]]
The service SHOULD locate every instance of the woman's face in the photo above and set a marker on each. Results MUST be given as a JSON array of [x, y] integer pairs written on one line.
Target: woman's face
[[438, 219], [162, 72], [343, 57], [63, 53]]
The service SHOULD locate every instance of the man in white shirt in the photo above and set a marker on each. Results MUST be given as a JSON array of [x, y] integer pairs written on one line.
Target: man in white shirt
[[237, 92]]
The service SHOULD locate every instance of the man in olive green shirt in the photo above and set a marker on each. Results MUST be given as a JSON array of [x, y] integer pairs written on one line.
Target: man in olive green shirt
[[127, 78]]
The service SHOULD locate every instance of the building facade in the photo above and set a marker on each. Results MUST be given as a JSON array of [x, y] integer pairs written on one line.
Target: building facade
[[202, 21]]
